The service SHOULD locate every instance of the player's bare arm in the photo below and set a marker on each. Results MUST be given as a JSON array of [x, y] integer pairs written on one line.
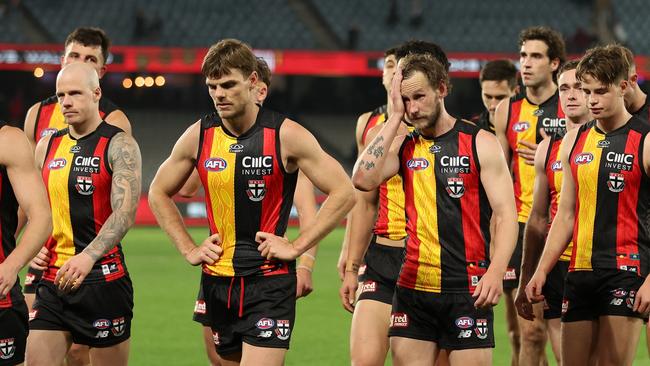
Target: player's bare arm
[[380, 160], [30, 123], [362, 121], [305, 201], [561, 230], [496, 181], [191, 186], [126, 163], [169, 179], [17, 156], [535, 231], [500, 126], [117, 118], [642, 301], [300, 150]]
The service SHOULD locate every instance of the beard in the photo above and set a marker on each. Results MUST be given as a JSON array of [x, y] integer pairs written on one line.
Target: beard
[[422, 122]]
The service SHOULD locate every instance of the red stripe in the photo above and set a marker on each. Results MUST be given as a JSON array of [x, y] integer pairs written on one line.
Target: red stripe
[[44, 120], [6, 302], [381, 225], [51, 243], [627, 222], [372, 122], [515, 111], [272, 202], [206, 149], [550, 176], [408, 275], [103, 183], [577, 149], [471, 213]]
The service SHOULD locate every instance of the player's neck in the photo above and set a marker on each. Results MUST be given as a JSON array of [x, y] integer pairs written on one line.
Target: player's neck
[[79, 130], [242, 123], [576, 122], [614, 122], [639, 100], [540, 93]]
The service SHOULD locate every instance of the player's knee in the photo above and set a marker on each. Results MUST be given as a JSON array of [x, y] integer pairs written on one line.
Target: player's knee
[[534, 334], [78, 356], [513, 335], [367, 358]]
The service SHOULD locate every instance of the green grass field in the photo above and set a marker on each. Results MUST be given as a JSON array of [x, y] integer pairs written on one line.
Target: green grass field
[[163, 332]]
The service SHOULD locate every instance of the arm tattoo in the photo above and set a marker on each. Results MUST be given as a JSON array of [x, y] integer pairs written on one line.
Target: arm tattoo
[[369, 165], [373, 147], [126, 162]]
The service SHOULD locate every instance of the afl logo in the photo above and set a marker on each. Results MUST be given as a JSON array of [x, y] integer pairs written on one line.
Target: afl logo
[[265, 323], [102, 323], [556, 166], [584, 158], [464, 322], [417, 164], [215, 164], [57, 164], [520, 126], [48, 131]]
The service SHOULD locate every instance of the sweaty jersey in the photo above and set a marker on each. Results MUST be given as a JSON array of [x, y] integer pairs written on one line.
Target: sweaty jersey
[[78, 178], [246, 190], [8, 224], [448, 214], [554, 176], [49, 117], [391, 222], [612, 199], [525, 120]]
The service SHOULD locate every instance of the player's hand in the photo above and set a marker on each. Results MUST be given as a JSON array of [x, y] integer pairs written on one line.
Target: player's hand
[[396, 101], [275, 247], [73, 272], [343, 260], [523, 306], [208, 252], [488, 290], [304, 285], [8, 276], [527, 149], [348, 290], [534, 287], [42, 260], [642, 299]]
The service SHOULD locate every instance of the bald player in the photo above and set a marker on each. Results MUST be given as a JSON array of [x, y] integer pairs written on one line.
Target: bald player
[[93, 174]]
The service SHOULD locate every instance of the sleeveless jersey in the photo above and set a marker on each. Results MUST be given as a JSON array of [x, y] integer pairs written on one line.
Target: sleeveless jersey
[[644, 112], [8, 225], [524, 123], [49, 117], [78, 179], [612, 199], [554, 176], [448, 214], [246, 190], [391, 222]]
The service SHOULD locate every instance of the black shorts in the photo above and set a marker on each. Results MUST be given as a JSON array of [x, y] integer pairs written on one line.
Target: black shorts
[[13, 334], [32, 278], [511, 278], [96, 315], [258, 310], [378, 280], [554, 290], [589, 295], [200, 309], [450, 320]]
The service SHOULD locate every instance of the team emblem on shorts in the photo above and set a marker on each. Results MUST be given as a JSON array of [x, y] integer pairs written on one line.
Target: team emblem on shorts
[[215, 338], [256, 189], [85, 185], [283, 330], [29, 279], [455, 187], [7, 348], [481, 329], [399, 320], [565, 306], [616, 182], [510, 274], [369, 286], [118, 326], [630, 300]]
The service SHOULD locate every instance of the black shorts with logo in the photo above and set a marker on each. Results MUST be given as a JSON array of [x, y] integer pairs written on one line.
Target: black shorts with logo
[[382, 265], [32, 278], [553, 290], [450, 320], [13, 334], [258, 310], [511, 278], [96, 315], [589, 295], [200, 309]]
